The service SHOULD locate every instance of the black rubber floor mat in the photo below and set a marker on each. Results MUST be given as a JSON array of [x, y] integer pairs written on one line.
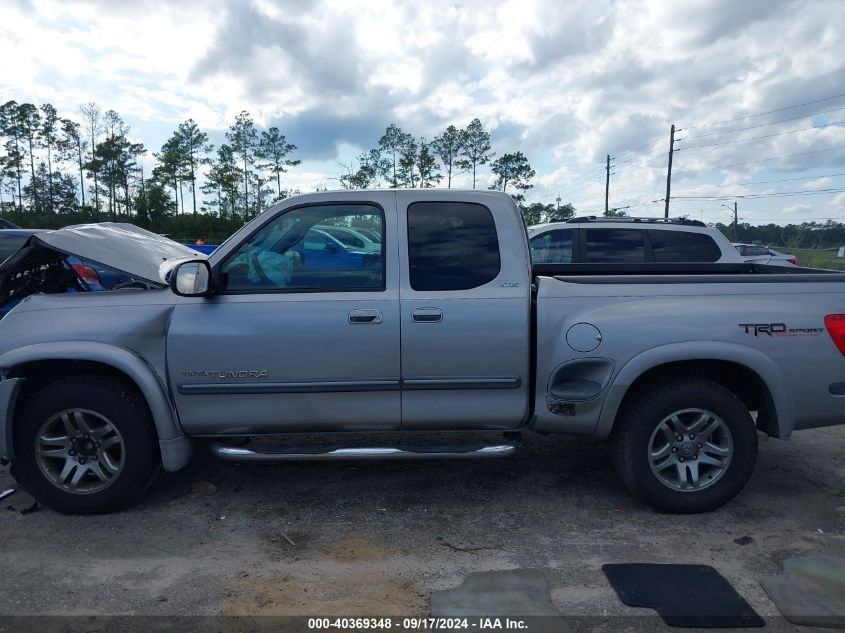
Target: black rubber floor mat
[[683, 595]]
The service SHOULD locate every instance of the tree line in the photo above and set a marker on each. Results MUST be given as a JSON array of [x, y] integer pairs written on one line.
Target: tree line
[[807, 235], [402, 160], [57, 170], [60, 170]]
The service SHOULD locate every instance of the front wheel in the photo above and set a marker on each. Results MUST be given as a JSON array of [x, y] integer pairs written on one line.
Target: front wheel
[[687, 446], [84, 445]]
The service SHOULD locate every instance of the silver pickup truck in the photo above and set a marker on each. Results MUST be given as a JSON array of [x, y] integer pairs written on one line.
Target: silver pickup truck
[[445, 327]]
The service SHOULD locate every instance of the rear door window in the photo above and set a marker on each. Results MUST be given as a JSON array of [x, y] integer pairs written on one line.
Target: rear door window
[[553, 247], [451, 246], [683, 246], [614, 246]]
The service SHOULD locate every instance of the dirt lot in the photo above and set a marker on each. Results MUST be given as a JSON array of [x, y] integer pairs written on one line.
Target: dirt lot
[[378, 538]]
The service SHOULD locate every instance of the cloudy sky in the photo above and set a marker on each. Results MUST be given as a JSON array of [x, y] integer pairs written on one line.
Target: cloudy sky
[[566, 82]]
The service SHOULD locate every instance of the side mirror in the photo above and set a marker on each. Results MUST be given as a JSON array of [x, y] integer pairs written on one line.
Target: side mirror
[[331, 248], [191, 279]]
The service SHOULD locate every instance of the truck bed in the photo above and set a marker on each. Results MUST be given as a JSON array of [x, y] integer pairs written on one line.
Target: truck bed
[[654, 273]]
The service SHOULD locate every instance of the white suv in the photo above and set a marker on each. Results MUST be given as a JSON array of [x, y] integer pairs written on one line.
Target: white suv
[[599, 240]]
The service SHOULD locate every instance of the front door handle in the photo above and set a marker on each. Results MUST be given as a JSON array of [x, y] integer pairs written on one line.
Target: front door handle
[[427, 315], [365, 316]]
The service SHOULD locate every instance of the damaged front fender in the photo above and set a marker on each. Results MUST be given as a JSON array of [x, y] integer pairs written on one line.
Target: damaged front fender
[[176, 449]]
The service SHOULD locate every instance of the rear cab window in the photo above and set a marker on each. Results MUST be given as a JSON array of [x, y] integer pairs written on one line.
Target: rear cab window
[[451, 246]]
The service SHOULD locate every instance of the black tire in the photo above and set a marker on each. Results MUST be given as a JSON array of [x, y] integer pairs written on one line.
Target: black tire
[[124, 409], [640, 418]]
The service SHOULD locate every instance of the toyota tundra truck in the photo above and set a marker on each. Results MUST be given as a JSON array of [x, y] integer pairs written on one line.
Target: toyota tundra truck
[[446, 327]]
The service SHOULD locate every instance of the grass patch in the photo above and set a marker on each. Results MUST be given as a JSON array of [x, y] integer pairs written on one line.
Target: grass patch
[[815, 258]]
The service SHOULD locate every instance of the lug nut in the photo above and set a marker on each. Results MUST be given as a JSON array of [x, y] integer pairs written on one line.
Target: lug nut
[[695, 456], [692, 436], [674, 449], [699, 445], [680, 438], [681, 459]]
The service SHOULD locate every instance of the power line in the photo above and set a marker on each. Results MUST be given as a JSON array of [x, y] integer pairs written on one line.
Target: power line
[[647, 161], [769, 182], [657, 143], [749, 116], [764, 160], [776, 194], [755, 138], [751, 127]]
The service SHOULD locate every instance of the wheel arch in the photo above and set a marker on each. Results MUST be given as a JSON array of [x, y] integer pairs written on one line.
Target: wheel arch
[[41, 363], [750, 375]]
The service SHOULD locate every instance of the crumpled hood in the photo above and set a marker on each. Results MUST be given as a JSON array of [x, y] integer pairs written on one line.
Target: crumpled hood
[[121, 246]]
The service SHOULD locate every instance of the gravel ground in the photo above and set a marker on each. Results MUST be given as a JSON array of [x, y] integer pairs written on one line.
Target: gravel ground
[[377, 538]]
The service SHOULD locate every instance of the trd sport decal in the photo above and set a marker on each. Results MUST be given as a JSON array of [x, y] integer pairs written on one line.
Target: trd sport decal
[[779, 329]]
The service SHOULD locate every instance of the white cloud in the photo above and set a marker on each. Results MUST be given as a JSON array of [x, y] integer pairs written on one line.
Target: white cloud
[[564, 82], [797, 209]]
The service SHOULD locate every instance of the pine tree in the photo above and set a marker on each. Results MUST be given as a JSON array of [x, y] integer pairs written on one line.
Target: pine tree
[[274, 148], [513, 169], [72, 149], [476, 148], [428, 167], [10, 128], [391, 144], [29, 121], [93, 126], [47, 133], [194, 145], [448, 146], [243, 138]]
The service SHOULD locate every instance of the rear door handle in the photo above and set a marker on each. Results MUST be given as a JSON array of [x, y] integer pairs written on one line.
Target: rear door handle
[[358, 317], [427, 315]]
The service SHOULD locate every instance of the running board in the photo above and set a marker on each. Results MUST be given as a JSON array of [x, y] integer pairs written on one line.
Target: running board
[[319, 453]]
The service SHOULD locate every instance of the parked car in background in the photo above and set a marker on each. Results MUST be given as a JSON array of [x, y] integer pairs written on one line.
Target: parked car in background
[[373, 235], [5, 224], [353, 239], [764, 255], [599, 240]]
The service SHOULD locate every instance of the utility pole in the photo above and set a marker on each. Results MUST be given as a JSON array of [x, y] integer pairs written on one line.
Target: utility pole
[[557, 200], [607, 185], [736, 219], [669, 171]]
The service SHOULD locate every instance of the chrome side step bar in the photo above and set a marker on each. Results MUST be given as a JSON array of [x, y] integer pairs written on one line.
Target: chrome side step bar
[[320, 453]]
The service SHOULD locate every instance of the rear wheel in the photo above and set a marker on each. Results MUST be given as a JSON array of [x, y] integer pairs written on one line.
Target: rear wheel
[[688, 446], [84, 445]]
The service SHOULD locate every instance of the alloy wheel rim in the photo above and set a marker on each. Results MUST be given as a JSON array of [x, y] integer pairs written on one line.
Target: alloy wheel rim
[[79, 451], [690, 450]]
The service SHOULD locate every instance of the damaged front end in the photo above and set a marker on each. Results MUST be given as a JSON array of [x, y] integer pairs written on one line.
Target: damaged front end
[[36, 269], [39, 269]]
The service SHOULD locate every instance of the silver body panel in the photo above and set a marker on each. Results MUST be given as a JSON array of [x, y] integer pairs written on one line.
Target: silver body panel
[[648, 324]]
